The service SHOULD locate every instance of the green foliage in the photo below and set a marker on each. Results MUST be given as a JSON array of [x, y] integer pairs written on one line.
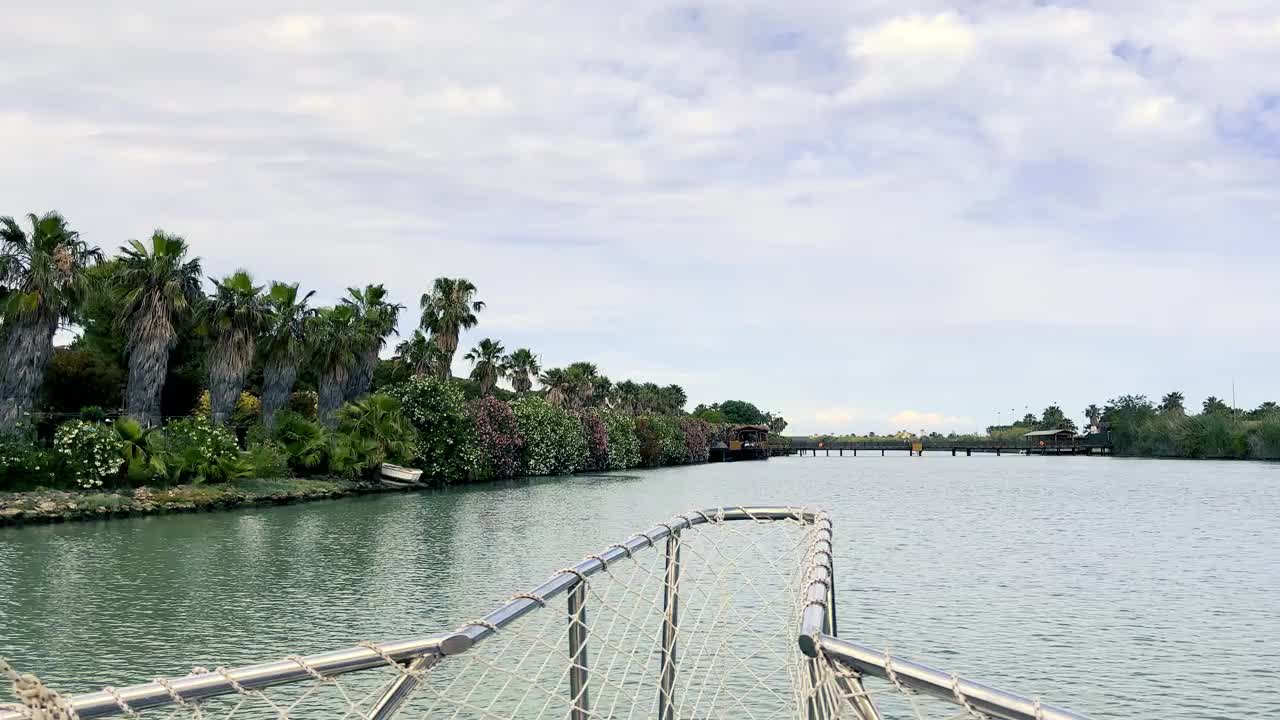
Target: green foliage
[[624, 447], [305, 443], [24, 464], [91, 454], [247, 412], [661, 441], [195, 451], [554, 442], [1214, 406], [268, 460], [371, 431], [437, 410], [304, 403], [712, 414], [79, 376], [142, 451]]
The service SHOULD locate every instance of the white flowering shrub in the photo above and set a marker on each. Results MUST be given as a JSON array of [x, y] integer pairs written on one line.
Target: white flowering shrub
[[91, 453], [554, 442]]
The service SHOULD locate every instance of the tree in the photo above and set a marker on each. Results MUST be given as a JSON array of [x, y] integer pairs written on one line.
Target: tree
[[1265, 410], [234, 316], [487, 364], [1093, 414], [447, 310], [711, 413], [329, 336], [78, 377], [415, 352], [581, 377], [1172, 403], [1214, 406], [740, 412], [672, 399], [522, 367], [1054, 419], [43, 283], [626, 397], [777, 424], [559, 386], [283, 343], [159, 292], [375, 319], [1028, 420]]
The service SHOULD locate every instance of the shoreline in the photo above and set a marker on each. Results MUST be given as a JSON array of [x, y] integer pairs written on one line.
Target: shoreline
[[48, 507]]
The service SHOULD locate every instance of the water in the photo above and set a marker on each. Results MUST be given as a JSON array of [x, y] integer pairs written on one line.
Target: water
[[1120, 588]]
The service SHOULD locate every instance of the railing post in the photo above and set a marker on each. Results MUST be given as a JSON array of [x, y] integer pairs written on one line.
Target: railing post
[[670, 625], [578, 651], [401, 688]]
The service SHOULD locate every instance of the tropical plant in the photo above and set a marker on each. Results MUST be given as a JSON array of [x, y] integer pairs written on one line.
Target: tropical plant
[[1093, 414], [446, 446], [624, 447], [419, 353], [283, 344], [90, 453], [196, 451], [158, 290], [375, 319], [79, 376], [304, 442], [43, 283], [371, 431], [661, 441], [141, 449], [1173, 403], [447, 310], [1214, 406], [497, 437], [233, 316], [558, 386], [554, 443], [522, 368], [329, 332], [486, 364], [777, 423], [247, 412], [581, 380]]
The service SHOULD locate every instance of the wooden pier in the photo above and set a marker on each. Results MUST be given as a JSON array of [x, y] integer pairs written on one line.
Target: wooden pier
[[805, 446]]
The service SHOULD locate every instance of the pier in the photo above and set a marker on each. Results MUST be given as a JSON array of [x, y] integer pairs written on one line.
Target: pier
[[967, 448]]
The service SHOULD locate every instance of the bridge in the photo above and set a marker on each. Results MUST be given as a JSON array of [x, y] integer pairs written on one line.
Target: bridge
[[809, 446]]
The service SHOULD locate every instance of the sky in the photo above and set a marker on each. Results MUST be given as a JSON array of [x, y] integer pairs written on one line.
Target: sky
[[865, 216]]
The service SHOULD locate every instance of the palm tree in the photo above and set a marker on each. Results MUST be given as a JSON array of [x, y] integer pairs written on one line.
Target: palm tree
[[234, 315], [375, 320], [283, 344], [1093, 413], [582, 378], [329, 334], [43, 282], [558, 384], [415, 351], [487, 364], [1173, 403], [627, 397], [522, 367], [672, 399], [446, 311], [159, 290]]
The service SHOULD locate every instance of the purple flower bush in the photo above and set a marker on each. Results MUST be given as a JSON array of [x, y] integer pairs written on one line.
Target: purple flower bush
[[497, 437], [597, 434]]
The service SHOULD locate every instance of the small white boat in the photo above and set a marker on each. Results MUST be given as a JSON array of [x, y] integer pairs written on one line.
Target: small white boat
[[396, 472]]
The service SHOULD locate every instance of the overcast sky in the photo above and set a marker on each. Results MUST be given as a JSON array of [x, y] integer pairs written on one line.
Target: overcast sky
[[863, 215]]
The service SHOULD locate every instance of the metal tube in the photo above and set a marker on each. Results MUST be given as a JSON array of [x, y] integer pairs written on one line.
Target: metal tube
[[253, 677], [578, 652], [931, 681], [401, 688], [670, 626]]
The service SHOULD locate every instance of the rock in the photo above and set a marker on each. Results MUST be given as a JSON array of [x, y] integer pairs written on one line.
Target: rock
[[46, 506], [10, 513]]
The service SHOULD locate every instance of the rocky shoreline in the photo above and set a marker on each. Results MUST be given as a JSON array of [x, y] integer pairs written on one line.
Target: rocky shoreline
[[39, 507]]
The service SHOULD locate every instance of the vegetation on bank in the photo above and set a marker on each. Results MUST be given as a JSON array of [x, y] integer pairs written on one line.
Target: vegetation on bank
[[167, 386]]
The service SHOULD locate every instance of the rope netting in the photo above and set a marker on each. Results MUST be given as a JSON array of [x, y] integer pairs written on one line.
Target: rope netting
[[697, 618]]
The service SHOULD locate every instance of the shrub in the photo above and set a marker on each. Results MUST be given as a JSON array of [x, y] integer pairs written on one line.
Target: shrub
[[24, 464], [248, 409], [79, 376], [90, 453], [304, 402], [624, 447], [93, 413], [305, 443], [597, 437], [697, 442], [268, 460], [498, 439], [141, 449], [661, 442], [371, 431], [446, 446], [196, 451], [553, 440]]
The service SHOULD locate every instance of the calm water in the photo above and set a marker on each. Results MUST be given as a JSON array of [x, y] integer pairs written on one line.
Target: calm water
[[1120, 588]]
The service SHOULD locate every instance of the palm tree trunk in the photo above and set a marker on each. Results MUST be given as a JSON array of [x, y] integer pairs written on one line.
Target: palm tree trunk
[[448, 345], [278, 377], [229, 361], [333, 384], [28, 345], [361, 377], [150, 342]]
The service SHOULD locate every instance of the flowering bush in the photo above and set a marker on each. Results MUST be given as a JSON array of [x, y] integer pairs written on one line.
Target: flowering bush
[[597, 437], [248, 409], [624, 447], [661, 442], [446, 445], [24, 464], [91, 453], [554, 443], [498, 438], [696, 439], [304, 402], [194, 450]]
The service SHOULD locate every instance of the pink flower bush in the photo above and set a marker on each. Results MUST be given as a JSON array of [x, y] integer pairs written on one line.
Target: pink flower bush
[[497, 438], [597, 435]]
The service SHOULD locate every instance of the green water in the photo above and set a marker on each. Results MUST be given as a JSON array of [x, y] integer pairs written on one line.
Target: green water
[[1120, 588]]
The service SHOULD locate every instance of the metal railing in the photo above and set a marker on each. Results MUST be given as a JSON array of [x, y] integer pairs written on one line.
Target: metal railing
[[817, 639]]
